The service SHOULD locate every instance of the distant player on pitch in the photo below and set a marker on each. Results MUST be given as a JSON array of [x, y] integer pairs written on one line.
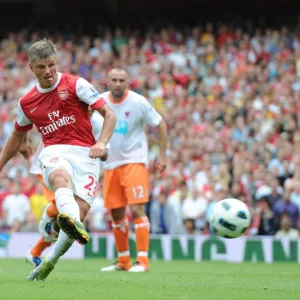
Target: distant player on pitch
[[126, 173]]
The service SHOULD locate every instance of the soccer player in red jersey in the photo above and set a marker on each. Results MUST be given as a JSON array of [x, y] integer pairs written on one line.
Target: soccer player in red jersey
[[58, 107], [48, 225]]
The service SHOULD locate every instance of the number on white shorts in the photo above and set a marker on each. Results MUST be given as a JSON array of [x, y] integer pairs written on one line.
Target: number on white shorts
[[91, 186]]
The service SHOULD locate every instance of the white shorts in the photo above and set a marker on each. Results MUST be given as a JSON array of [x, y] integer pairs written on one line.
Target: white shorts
[[83, 170]]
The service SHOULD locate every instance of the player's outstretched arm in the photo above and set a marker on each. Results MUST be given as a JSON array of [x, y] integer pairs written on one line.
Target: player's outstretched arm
[[98, 150], [11, 147], [162, 143]]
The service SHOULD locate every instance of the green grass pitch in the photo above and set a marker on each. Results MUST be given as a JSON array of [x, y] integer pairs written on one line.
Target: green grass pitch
[[182, 280]]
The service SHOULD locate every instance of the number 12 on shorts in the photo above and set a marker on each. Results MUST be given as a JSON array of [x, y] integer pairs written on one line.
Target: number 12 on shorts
[[139, 192]]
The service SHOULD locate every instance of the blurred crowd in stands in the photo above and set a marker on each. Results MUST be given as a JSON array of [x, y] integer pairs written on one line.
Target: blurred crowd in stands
[[231, 99]]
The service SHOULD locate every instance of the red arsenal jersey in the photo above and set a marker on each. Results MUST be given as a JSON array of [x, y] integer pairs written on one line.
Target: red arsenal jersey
[[60, 112]]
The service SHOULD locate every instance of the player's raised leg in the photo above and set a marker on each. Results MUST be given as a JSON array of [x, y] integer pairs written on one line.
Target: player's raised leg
[[63, 244], [115, 200], [69, 212]]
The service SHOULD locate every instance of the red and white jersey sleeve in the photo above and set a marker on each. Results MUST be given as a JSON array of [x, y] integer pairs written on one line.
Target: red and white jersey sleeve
[[22, 122], [88, 94]]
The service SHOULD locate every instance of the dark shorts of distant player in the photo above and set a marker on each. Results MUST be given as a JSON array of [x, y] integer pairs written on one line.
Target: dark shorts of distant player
[[126, 185]]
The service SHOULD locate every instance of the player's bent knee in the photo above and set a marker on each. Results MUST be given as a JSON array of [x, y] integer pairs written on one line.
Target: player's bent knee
[[118, 213], [59, 179], [137, 210]]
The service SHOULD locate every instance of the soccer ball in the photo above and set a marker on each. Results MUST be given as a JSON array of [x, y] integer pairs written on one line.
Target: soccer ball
[[230, 218]]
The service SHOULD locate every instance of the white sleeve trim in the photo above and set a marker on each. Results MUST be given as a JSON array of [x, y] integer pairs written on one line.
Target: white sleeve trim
[[86, 92], [22, 120]]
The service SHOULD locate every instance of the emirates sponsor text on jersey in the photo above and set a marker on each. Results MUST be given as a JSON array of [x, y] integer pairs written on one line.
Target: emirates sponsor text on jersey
[[57, 122]]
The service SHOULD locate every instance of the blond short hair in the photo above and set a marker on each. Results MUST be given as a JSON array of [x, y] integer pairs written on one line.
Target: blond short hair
[[41, 49]]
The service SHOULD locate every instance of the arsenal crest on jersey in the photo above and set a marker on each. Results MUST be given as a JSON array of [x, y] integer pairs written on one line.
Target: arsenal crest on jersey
[[63, 95]]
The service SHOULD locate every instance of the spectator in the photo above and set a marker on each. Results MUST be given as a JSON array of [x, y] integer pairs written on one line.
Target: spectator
[[163, 216], [265, 215], [286, 206], [15, 209], [295, 195], [194, 208], [276, 192], [30, 223], [176, 200], [37, 203], [286, 229], [189, 226]]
